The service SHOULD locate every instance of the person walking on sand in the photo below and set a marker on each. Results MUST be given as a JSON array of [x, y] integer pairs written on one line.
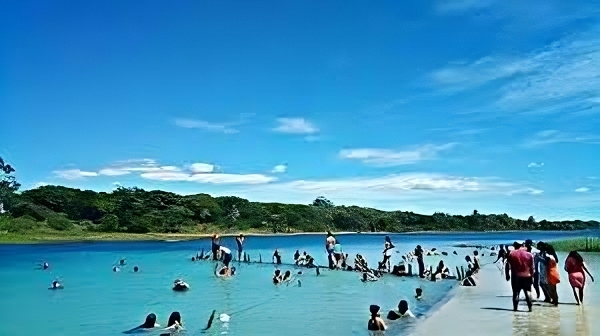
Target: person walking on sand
[[575, 267], [519, 266]]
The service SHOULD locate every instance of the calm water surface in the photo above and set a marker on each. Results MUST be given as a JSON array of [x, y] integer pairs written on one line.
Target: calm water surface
[[97, 301]]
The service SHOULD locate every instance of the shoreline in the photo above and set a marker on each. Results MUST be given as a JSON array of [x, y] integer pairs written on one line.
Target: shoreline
[[50, 237], [487, 308]]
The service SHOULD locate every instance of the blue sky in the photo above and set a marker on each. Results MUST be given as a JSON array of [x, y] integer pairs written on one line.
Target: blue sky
[[415, 105]]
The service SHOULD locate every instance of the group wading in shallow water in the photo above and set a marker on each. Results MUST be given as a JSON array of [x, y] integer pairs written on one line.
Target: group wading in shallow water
[[531, 269]]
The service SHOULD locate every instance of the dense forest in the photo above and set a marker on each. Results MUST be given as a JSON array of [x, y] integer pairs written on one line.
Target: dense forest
[[136, 210]]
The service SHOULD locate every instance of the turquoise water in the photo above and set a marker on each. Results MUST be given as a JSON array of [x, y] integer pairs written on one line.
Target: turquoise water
[[97, 301]]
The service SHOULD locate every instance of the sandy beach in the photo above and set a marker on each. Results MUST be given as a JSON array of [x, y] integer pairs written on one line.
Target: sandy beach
[[487, 310]]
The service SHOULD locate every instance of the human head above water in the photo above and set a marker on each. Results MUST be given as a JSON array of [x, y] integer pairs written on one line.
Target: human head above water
[[403, 307], [175, 317], [374, 309]]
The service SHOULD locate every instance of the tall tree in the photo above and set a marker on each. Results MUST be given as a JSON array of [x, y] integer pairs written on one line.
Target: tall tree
[[8, 182]]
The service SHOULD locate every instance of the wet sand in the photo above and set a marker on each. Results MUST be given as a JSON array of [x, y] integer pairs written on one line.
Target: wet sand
[[487, 310]]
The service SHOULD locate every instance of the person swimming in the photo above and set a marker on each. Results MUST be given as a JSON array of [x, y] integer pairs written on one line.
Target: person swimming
[[277, 279], [419, 292], [180, 285], [376, 325], [402, 311], [116, 269], [149, 324], [135, 269], [296, 256], [56, 285], [45, 266], [368, 276], [174, 324], [287, 276], [122, 262], [225, 271]]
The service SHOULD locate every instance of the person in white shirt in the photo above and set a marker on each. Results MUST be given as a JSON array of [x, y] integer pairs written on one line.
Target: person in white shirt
[[402, 311], [226, 254]]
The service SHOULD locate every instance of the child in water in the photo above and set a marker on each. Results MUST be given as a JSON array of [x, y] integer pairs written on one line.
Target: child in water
[[419, 293]]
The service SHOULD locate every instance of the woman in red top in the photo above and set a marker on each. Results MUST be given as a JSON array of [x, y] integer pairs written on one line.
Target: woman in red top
[[575, 266]]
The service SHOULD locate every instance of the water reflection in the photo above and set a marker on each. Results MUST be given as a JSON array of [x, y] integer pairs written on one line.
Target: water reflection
[[582, 326], [543, 320]]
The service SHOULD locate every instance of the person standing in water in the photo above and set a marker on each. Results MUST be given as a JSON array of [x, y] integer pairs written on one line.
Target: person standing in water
[[215, 246], [329, 246], [387, 255], [520, 266], [419, 256], [338, 254], [276, 258], [376, 325], [240, 245], [575, 267]]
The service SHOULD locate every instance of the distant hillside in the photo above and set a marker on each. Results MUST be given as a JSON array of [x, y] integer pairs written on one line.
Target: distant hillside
[[135, 210]]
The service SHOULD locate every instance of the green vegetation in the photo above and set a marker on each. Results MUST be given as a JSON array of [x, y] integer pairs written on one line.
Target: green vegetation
[[56, 211], [588, 244]]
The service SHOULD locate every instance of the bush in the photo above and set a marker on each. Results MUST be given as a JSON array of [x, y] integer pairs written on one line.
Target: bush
[[59, 223], [18, 225], [109, 223]]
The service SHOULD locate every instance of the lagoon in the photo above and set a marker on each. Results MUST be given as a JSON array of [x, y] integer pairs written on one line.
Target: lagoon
[[97, 301]]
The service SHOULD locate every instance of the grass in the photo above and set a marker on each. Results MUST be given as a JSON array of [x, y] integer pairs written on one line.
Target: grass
[[587, 244]]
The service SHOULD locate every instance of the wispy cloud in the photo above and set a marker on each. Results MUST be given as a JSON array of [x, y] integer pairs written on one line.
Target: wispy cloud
[[295, 126], [387, 157], [279, 169], [205, 125], [582, 190], [535, 165], [216, 178], [150, 169], [132, 166], [563, 77], [74, 174], [553, 136]]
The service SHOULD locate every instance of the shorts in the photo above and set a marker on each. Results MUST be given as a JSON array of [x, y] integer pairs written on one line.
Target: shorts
[[521, 283], [227, 259]]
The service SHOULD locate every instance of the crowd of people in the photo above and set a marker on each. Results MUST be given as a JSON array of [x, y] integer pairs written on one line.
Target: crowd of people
[[532, 268]]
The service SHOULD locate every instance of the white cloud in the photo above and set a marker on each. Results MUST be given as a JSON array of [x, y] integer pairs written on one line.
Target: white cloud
[[205, 125], [582, 190], [563, 77], [553, 136], [74, 174], [386, 157], [202, 168], [150, 169], [295, 126], [535, 165], [279, 169], [216, 178]]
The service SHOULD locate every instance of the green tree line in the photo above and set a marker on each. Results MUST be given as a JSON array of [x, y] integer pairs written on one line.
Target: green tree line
[[135, 210]]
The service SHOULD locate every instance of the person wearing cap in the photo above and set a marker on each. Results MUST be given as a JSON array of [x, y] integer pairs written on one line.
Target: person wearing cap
[[376, 325]]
